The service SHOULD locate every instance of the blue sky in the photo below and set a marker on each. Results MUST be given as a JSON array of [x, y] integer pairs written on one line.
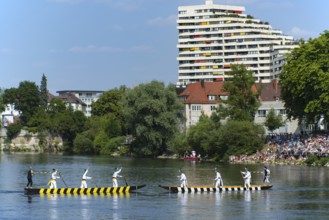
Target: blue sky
[[102, 44]]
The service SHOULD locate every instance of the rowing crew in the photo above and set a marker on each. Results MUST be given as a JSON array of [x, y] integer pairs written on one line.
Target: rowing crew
[[56, 175], [246, 175]]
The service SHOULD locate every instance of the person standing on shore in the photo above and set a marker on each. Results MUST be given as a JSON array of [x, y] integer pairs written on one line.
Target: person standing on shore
[[266, 175], [247, 178], [84, 179], [29, 178], [218, 179]]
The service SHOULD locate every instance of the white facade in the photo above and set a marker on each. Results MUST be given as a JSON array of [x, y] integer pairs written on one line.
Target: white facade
[[290, 126], [213, 37], [7, 116], [87, 96]]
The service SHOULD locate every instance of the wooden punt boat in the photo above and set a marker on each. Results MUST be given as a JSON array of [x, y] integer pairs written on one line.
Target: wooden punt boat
[[205, 189], [83, 191]]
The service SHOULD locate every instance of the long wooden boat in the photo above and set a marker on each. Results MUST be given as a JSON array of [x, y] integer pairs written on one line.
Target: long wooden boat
[[200, 189], [83, 191]]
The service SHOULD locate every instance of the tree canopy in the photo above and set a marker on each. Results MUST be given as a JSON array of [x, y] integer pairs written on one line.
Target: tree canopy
[[152, 112], [44, 92], [2, 105], [108, 102], [305, 78], [242, 102], [26, 99], [273, 121]]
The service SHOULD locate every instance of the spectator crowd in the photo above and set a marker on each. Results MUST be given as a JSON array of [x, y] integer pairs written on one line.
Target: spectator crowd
[[289, 147]]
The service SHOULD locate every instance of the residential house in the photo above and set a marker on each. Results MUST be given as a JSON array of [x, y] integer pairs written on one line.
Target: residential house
[[205, 96]]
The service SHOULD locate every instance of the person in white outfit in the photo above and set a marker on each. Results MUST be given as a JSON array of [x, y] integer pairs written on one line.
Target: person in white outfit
[[218, 179], [115, 176], [183, 180], [52, 182], [247, 178], [84, 179]]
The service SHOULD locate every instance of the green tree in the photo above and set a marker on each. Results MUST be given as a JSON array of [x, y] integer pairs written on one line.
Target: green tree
[[2, 105], [304, 80], [273, 121], [44, 92], [26, 99], [83, 144], [13, 130], [68, 124], [242, 102], [108, 102], [152, 112], [56, 106], [199, 136], [238, 137], [178, 143]]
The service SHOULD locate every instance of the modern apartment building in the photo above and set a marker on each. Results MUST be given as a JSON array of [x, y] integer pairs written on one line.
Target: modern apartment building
[[213, 37], [86, 96]]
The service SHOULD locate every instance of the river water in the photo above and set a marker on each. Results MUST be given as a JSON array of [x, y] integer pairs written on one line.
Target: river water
[[298, 192]]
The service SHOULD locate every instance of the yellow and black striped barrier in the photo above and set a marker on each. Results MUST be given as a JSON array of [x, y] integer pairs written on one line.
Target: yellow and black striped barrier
[[205, 189], [83, 191]]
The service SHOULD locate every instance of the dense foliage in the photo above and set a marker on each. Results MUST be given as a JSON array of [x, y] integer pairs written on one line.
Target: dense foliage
[[26, 99], [273, 121], [43, 92], [152, 113], [304, 80], [145, 120], [239, 137], [242, 103]]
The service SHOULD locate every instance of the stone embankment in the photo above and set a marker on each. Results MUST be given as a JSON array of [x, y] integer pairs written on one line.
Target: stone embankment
[[30, 142]]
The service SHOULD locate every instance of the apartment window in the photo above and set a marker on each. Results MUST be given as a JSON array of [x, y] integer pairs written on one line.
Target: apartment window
[[212, 97], [283, 112], [261, 113], [212, 107]]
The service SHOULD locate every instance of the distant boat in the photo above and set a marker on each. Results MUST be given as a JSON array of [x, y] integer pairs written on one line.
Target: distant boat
[[206, 189], [83, 191], [192, 158]]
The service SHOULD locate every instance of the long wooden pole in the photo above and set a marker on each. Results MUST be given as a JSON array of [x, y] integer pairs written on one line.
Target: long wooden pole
[[62, 179]]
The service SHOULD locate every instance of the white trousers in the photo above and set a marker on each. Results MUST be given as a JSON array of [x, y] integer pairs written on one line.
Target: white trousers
[[83, 184]]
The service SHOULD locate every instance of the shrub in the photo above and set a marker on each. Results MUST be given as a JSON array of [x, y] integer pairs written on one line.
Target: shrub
[[13, 130]]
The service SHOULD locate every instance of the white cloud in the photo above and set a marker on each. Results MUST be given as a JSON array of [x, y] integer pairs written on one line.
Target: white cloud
[[163, 21], [300, 33], [94, 49]]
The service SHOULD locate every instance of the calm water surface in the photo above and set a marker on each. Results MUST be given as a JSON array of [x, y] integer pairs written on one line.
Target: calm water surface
[[298, 192]]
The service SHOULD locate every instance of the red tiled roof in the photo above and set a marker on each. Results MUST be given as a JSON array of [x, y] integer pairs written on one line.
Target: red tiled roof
[[199, 92], [269, 91]]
